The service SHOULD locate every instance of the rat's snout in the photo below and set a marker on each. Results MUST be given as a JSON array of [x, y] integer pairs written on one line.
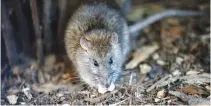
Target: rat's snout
[[106, 83], [105, 80]]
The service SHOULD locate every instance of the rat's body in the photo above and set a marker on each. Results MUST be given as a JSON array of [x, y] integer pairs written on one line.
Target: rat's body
[[97, 42]]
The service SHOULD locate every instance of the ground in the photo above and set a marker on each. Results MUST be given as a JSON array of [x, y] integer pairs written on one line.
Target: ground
[[170, 66]]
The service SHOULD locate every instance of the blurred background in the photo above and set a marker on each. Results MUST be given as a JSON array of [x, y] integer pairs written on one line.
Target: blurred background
[[32, 43]]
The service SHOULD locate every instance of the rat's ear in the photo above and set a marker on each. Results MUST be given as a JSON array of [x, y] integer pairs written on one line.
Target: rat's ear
[[85, 44], [113, 38]]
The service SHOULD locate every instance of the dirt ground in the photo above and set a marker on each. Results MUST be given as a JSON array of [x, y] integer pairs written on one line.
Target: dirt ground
[[170, 66]]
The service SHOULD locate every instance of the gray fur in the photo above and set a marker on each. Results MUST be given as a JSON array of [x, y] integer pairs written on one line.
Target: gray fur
[[96, 23]]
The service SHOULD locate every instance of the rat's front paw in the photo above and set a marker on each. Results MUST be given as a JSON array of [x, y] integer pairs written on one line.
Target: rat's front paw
[[111, 88], [101, 89]]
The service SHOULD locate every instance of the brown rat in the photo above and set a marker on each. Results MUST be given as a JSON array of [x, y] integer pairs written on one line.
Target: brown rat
[[97, 42]]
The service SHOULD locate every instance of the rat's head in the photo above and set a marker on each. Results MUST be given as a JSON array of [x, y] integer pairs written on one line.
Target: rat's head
[[100, 59]]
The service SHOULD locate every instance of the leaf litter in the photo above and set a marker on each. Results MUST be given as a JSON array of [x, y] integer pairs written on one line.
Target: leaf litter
[[183, 79]]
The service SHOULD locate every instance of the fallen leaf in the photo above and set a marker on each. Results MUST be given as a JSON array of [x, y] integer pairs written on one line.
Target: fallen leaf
[[171, 30], [140, 55], [192, 90], [71, 76], [12, 99]]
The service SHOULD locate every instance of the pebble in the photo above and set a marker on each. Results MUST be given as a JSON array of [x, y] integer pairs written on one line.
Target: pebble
[[157, 99], [156, 70], [65, 105], [176, 72], [161, 62], [169, 101], [62, 98], [12, 99], [23, 103], [155, 56], [144, 68], [59, 94], [179, 60]]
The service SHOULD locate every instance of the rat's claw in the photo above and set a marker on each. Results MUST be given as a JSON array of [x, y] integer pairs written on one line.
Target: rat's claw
[[111, 88], [101, 89]]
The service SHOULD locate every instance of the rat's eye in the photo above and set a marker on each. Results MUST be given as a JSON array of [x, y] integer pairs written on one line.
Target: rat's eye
[[95, 63], [110, 61]]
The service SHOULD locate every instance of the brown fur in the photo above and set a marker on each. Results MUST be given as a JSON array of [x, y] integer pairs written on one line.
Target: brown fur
[[107, 32]]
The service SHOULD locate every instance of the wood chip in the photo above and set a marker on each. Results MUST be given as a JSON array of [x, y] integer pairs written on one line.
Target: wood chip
[[140, 55], [100, 98]]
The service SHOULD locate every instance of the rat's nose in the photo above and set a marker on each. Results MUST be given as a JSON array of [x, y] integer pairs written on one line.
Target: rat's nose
[[107, 85]]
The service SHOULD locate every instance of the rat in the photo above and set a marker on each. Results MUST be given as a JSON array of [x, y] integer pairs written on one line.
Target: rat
[[97, 41]]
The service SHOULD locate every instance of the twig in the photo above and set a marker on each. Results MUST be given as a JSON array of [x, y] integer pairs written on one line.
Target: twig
[[189, 99], [102, 97], [157, 83], [193, 79], [8, 35], [47, 4], [35, 19], [118, 103], [196, 79]]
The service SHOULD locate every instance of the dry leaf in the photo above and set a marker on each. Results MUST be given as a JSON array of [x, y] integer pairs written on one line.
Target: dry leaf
[[192, 90], [140, 55], [12, 99], [171, 30]]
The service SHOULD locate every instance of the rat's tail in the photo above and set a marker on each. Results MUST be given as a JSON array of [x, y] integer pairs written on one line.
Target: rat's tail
[[164, 14]]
